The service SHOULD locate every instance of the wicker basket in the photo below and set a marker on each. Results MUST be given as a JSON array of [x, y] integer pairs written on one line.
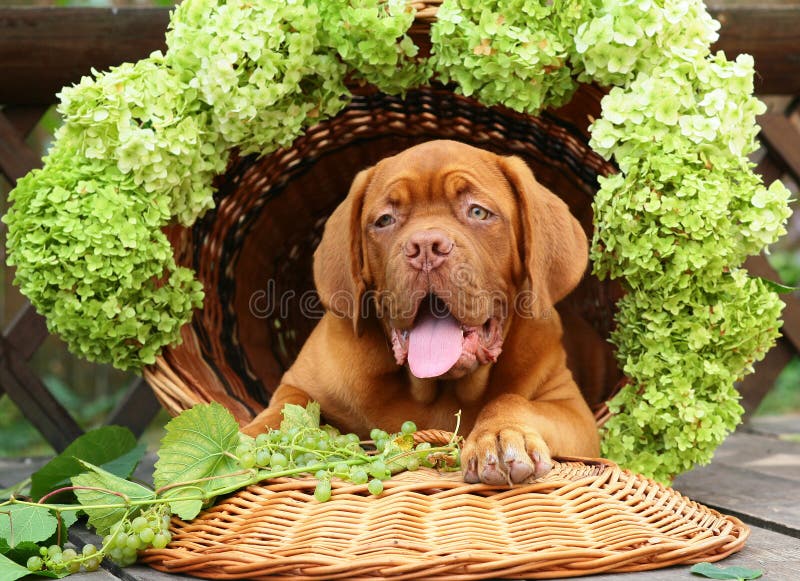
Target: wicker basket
[[253, 255], [256, 245], [584, 517]]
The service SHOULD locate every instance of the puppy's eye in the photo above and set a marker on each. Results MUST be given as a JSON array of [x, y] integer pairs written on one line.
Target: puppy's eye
[[477, 212], [384, 221]]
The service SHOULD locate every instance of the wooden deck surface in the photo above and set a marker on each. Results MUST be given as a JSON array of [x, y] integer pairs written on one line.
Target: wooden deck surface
[[755, 476]]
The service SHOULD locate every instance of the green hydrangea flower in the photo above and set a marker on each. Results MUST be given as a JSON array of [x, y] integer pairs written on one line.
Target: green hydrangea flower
[[260, 67], [147, 121], [509, 52], [371, 38], [90, 255]]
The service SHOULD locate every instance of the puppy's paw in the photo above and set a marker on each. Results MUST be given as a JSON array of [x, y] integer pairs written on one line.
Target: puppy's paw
[[505, 455]]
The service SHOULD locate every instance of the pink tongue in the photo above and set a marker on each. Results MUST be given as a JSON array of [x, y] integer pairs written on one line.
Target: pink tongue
[[434, 345]]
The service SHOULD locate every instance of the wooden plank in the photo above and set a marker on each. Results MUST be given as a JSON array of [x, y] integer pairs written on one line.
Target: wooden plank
[[26, 332], [35, 401], [768, 31], [25, 118], [782, 138], [45, 48], [755, 478], [16, 158], [762, 453]]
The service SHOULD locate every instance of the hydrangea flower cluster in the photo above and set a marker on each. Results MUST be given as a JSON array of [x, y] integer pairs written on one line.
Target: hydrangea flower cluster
[[509, 52], [259, 66], [676, 225], [90, 254], [141, 143], [371, 40], [147, 120]]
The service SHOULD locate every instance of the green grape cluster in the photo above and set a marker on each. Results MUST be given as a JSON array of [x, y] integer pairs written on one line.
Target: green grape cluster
[[150, 528], [65, 561], [326, 453]]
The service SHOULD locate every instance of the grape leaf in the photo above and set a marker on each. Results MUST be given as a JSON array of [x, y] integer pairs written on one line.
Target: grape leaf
[[197, 449], [10, 571], [185, 509], [21, 523], [103, 519], [295, 416], [112, 446], [21, 552], [716, 572]]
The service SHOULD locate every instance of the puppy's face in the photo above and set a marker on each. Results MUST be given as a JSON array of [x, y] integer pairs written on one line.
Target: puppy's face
[[441, 238]]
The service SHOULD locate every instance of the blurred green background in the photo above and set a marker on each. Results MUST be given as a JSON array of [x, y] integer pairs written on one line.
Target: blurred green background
[[90, 392]]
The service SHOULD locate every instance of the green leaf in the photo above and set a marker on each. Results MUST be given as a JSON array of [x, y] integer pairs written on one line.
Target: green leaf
[[21, 552], [21, 523], [100, 493], [295, 416], [10, 571], [777, 287], [716, 572], [113, 447], [198, 452], [184, 509]]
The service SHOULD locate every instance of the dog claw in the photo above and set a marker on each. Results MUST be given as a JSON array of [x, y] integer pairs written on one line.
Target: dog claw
[[471, 473], [541, 467]]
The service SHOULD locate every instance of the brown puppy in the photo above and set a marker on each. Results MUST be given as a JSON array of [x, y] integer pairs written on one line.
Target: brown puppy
[[439, 258]]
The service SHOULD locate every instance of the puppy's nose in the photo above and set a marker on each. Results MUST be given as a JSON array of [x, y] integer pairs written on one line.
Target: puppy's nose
[[426, 250]]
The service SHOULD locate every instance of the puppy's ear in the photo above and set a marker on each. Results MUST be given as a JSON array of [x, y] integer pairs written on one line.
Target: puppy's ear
[[554, 247], [339, 268]]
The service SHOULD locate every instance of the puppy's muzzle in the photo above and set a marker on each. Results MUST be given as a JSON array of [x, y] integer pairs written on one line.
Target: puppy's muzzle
[[427, 250]]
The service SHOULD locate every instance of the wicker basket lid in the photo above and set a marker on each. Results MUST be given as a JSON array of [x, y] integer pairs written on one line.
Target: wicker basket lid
[[584, 517]]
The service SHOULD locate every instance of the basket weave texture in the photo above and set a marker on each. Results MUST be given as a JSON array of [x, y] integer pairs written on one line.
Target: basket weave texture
[[584, 517]]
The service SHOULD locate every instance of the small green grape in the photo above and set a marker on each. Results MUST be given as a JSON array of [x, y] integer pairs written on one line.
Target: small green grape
[[34, 563], [412, 463], [408, 427], [278, 460], [242, 449], [53, 550], [147, 535], [68, 555], [358, 475], [161, 540], [132, 542], [138, 524], [341, 468], [262, 440], [375, 486], [262, 457], [247, 460], [352, 438], [423, 446], [89, 549], [92, 564], [321, 474], [56, 559], [323, 490], [380, 444], [375, 434], [377, 468]]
